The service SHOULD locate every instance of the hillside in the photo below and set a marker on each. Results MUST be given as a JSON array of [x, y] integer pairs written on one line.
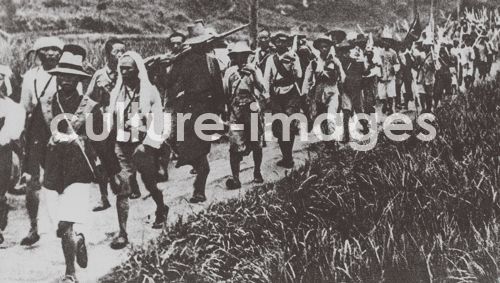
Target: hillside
[[159, 16]]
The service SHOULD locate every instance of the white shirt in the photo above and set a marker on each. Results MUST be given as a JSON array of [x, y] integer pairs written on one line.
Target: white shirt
[[14, 115], [271, 74]]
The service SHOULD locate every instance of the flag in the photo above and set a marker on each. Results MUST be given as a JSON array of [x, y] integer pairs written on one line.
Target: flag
[[414, 32]]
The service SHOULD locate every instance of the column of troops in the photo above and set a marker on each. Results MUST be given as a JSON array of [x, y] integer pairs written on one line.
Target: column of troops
[[285, 74]]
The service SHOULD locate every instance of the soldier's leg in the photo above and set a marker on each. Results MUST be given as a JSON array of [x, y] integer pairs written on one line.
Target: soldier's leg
[[123, 190], [257, 159], [429, 90], [145, 160], [32, 194], [202, 167], [399, 88], [164, 160], [234, 160], [104, 204], [68, 242], [73, 246], [5, 170]]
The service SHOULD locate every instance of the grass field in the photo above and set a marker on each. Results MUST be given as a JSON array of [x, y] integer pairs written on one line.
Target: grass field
[[403, 212]]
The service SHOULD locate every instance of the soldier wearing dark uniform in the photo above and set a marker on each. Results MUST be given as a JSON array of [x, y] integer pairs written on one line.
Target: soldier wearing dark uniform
[[354, 65], [242, 83], [196, 88], [263, 50], [283, 71], [321, 80]]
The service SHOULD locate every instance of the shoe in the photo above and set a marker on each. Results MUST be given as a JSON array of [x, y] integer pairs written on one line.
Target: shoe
[[135, 195], [197, 199], [1, 239], [102, 206], [69, 279], [161, 217], [233, 184], [257, 178], [119, 242], [285, 164], [81, 251], [31, 239]]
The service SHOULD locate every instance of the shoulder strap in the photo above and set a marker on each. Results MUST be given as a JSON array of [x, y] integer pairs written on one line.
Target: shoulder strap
[[281, 69], [38, 97], [46, 107], [86, 106]]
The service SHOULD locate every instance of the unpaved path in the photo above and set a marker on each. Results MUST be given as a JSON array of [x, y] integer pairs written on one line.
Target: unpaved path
[[44, 261]]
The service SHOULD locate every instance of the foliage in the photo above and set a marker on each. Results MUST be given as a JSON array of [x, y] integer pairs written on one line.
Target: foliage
[[411, 211]]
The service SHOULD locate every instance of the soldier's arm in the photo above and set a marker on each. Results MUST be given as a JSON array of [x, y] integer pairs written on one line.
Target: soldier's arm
[[156, 135], [337, 63], [297, 67], [107, 157], [308, 80], [259, 82], [27, 92], [92, 90], [268, 74]]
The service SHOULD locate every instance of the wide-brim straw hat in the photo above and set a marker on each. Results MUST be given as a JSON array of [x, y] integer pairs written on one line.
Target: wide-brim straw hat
[[240, 48], [197, 33], [322, 39], [47, 42], [198, 39], [281, 36], [71, 62], [360, 40], [176, 35], [337, 35]]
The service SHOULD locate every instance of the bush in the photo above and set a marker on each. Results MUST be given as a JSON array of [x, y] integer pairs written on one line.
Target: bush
[[409, 211], [55, 4]]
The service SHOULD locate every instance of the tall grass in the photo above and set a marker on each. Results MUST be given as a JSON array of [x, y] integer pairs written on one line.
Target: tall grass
[[403, 212]]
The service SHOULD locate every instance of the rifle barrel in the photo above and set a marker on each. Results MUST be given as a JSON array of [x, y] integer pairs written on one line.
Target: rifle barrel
[[168, 62]]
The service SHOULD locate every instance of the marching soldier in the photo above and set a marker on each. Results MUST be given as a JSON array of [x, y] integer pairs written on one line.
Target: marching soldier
[[320, 81], [99, 89], [354, 63], [467, 58], [37, 84], [282, 73], [72, 157], [263, 50], [12, 117], [240, 84], [387, 83], [428, 76], [196, 88], [132, 99], [176, 45]]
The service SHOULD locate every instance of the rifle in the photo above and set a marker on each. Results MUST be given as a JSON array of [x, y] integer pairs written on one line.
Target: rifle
[[167, 60]]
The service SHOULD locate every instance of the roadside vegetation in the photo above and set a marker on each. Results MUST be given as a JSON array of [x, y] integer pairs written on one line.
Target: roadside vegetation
[[404, 212]]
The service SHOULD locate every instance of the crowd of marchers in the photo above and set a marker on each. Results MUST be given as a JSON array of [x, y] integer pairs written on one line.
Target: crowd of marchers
[[284, 73]]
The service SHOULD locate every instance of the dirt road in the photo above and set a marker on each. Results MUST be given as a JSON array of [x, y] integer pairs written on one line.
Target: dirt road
[[44, 261]]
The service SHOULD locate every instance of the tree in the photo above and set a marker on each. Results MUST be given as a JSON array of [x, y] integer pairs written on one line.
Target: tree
[[254, 21], [10, 12]]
